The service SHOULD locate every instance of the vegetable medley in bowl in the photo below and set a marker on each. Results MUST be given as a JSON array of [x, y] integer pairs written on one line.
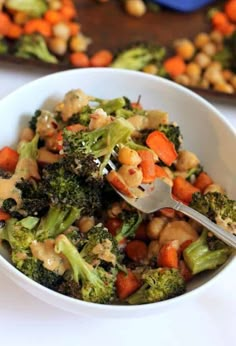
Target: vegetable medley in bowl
[[66, 228]]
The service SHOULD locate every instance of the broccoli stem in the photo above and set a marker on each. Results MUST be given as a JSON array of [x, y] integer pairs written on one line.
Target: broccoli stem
[[113, 105]]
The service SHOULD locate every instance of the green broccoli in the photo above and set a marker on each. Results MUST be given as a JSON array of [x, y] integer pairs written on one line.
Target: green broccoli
[[173, 133], [70, 288], [34, 119], [100, 142], [97, 285], [82, 117], [34, 8], [158, 284], [131, 221], [34, 46], [199, 256], [226, 56], [217, 207], [137, 57]]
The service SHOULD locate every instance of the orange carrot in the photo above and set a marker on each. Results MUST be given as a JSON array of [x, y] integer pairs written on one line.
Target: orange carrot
[[102, 58], [174, 66], [147, 166], [68, 12], [136, 250], [79, 59], [74, 28], [230, 10], [202, 181], [184, 245], [136, 105], [53, 17], [183, 190], [168, 256], [5, 23], [162, 146], [118, 182], [8, 159], [218, 19], [38, 25], [126, 284], [168, 212], [4, 216], [160, 172], [15, 31]]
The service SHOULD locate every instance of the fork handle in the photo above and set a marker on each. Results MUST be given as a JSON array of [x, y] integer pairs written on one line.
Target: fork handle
[[227, 237]]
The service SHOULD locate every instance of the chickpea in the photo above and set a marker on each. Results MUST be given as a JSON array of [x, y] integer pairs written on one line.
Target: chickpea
[[79, 43], [214, 188], [182, 79], [151, 69], [136, 8], [86, 223], [193, 70], [61, 30], [202, 60], [127, 156], [27, 134], [209, 49], [216, 36], [55, 4], [132, 175], [224, 87], [184, 48], [213, 75], [57, 45], [186, 160], [115, 210], [153, 249], [155, 226], [201, 40], [178, 230], [204, 83]]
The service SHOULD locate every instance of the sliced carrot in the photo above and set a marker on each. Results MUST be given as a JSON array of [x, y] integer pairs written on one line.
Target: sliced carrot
[[126, 284], [160, 172], [102, 58], [174, 66], [202, 181], [168, 256], [136, 105], [38, 25], [183, 190], [147, 166], [53, 17], [230, 10], [4, 216], [168, 212], [219, 18], [162, 146], [15, 31], [136, 250], [79, 59], [68, 12], [8, 159], [74, 28], [118, 182], [5, 23]]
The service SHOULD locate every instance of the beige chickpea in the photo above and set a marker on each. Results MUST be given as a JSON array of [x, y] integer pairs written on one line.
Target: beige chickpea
[[136, 8], [155, 226], [85, 223], [182, 79], [57, 45], [202, 59], [209, 49], [193, 71], [153, 249], [27, 134], [214, 75], [127, 156], [151, 69], [61, 30], [227, 75], [216, 36], [132, 175], [139, 122], [201, 40], [233, 81], [115, 210], [214, 188], [204, 83], [186, 160], [224, 87], [79, 43], [178, 230], [55, 4], [184, 48]]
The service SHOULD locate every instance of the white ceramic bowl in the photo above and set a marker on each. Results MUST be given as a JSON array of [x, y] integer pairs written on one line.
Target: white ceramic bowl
[[205, 132]]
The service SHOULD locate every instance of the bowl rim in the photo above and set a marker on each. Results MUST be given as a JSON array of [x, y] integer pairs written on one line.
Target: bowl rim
[[14, 274]]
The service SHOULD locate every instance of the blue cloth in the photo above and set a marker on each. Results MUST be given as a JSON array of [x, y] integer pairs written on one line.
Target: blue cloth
[[184, 5]]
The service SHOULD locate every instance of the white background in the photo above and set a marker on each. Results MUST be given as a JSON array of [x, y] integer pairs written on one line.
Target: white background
[[208, 319]]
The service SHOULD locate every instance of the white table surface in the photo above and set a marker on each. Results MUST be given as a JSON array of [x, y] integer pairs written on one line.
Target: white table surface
[[208, 319]]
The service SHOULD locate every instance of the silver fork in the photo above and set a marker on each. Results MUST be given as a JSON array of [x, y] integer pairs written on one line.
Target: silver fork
[[157, 196]]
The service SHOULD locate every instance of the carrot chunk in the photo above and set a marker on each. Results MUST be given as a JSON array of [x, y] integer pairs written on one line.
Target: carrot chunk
[[126, 284], [147, 166], [8, 159], [183, 190]]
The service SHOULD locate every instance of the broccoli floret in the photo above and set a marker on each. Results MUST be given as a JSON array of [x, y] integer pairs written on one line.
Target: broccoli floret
[[173, 133], [34, 46], [158, 284], [99, 142], [111, 106], [82, 117], [131, 221], [137, 57], [227, 55], [70, 288], [3, 47], [97, 285], [100, 247], [34, 8], [192, 173], [200, 257], [217, 207]]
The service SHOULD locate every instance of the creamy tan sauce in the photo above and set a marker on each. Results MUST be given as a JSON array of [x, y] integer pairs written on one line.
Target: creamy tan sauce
[[103, 251], [27, 168], [8, 189], [44, 251]]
